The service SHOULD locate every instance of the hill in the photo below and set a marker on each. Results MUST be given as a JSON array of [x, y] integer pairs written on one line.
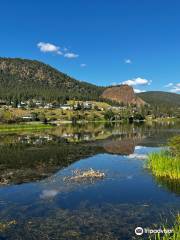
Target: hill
[[161, 99], [25, 79], [22, 79], [123, 94]]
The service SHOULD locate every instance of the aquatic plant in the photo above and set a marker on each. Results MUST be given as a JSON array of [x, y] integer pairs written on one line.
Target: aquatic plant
[[5, 225], [175, 235], [164, 164]]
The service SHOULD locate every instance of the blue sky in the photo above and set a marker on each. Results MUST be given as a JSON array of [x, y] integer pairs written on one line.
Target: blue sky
[[100, 41]]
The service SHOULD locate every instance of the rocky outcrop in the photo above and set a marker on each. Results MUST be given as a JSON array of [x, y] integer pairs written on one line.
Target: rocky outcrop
[[122, 94]]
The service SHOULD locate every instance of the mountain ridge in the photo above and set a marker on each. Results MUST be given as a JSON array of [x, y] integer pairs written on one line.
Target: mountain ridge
[[30, 78], [160, 98], [26, 79]]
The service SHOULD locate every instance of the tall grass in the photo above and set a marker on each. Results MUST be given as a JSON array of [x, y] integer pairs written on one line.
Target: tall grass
[[170, 236], [164, 164]]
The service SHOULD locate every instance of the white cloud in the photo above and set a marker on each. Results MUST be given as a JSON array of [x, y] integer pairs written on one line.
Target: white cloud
[[65, 49], [138, 90], [174, 87], [71, 55], [138, 156], [169, 85], [114, 83], [83, 65], [127, 61], [49, 47], [48, 194], [139, 147], [137, 81]]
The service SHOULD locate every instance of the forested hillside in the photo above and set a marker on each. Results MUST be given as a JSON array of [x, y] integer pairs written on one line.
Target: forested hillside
[[25, 79], [162, 99]]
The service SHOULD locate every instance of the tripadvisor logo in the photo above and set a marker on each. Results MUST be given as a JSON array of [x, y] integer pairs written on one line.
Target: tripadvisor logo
[[139, 231]]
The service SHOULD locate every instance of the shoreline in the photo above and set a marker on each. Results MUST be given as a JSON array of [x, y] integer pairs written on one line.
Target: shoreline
[[40, 125]]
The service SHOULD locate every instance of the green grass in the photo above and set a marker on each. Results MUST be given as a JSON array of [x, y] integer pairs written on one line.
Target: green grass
[[167, 236], [22, 127], [164, 164]]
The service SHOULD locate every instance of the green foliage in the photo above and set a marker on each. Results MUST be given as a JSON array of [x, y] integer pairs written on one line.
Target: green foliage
[[42, 117], [139, 116], [7, 116], [109, 115], [162, 102]]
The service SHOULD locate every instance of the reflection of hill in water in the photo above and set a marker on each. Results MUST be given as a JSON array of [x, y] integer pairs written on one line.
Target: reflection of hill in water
[[124, 147], [29, 157], [23, 163]]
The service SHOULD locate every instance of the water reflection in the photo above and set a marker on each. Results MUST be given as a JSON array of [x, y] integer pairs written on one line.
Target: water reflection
[[26, 157], [44, 206]]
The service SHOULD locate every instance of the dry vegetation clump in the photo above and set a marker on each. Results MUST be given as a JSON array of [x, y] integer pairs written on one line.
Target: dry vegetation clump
[[84, 175]]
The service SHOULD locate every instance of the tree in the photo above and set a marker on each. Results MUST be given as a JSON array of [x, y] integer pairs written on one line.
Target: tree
[[42, 118], [109, 115]]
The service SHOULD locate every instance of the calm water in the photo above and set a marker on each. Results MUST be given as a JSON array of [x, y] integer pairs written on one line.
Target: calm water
[[42, 205]]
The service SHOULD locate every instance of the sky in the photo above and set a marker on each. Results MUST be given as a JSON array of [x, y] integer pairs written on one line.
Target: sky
[[104, 42]]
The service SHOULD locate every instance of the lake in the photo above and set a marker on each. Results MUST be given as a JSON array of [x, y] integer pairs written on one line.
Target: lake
[[37, 203]]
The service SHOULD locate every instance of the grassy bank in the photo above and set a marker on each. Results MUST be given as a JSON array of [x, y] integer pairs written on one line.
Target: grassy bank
[[164, 164], [22, 127]]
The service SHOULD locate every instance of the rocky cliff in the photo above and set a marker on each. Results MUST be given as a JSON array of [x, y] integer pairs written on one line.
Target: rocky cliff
[[122, 94]]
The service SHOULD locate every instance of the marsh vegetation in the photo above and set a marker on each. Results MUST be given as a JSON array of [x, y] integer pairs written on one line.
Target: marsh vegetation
[[166, 164]]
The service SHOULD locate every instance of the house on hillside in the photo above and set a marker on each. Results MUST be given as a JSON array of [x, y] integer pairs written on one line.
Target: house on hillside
[[48, 106], [28, 118], [87, 105], [22, 105], [66, 107]]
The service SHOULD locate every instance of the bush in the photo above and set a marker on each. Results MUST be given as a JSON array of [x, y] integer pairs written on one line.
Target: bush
[[109, 115]]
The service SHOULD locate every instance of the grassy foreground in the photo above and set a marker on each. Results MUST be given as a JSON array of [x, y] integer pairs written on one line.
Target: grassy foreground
[[173, 236]]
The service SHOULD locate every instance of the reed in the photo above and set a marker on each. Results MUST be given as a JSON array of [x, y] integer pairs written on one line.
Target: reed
[[175, 235], [165, 165]]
